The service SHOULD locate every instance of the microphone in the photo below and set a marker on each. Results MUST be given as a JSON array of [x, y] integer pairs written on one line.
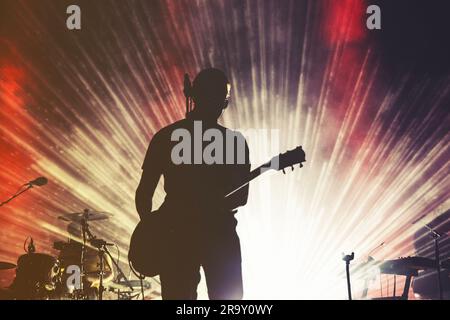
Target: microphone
[[41, 181], [98, 243], [31, 247]]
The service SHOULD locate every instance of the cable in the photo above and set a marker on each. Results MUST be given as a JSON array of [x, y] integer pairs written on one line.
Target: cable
[[25, 244], [142, 288], [138, 275], [118, 253]]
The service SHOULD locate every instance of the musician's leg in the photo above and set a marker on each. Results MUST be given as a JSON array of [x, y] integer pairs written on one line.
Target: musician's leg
[[180, 282], [222, 266]]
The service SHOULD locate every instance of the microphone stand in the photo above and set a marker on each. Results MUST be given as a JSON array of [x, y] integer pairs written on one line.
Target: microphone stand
[[436, 236], [102, 249], [347, 258], [29, 186], [121, 275]]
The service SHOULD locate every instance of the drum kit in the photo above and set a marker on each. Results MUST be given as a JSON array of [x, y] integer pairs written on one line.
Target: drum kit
[[409, 267], [83, 270]]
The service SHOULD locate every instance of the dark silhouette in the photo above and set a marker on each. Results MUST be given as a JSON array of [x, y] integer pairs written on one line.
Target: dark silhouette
[[426, 284], [202, 222]]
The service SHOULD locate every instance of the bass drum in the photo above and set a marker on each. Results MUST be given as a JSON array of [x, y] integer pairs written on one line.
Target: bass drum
[[37, 276]]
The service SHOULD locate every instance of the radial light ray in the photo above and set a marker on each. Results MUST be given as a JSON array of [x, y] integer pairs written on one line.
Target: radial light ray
[[80, 108]]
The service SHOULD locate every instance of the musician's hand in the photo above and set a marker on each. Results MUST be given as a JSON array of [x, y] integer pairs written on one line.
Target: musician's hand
[[142, 216], [227, 206]]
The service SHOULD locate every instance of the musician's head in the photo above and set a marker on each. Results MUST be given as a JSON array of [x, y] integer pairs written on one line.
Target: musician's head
[[211, 93]]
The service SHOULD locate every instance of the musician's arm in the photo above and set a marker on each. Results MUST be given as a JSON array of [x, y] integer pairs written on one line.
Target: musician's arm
[[145, 191], [152, 170], [239, 198]]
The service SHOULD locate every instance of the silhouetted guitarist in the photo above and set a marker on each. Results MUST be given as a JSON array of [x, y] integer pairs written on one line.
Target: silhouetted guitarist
[[203, 223]]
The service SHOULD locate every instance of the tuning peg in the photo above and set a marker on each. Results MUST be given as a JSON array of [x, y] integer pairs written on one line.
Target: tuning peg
[[301, 165], [284, 171], [292, 168]]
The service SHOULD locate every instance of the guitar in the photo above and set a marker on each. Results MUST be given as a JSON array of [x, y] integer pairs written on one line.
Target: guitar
[[146, 254]]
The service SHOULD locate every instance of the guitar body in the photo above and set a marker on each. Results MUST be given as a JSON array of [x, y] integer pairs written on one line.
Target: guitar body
[[159, 235], [148, 251]]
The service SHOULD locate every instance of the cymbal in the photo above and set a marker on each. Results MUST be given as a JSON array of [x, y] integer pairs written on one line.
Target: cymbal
[[78, 217], [6, 265]]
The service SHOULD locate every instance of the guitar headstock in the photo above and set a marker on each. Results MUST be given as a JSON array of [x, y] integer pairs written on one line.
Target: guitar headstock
[[290, 158]]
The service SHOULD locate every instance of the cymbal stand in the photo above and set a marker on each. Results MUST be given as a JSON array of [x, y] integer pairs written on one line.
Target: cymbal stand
[[121, 275], [101, 273], [85, 231], [436, 236], [102, 248], [88, 236]]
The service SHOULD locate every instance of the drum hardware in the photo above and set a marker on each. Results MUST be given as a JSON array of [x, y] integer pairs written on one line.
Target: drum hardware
[[40, 276], [70, 255], [80, 251], [84, 226], [83, 219], [409, 267], [37, 275], [435, 235], [101, 248], [347, 258], [123, 290], [123, 286], [86, 215], [445, 264], [121, 275], [101, 245]]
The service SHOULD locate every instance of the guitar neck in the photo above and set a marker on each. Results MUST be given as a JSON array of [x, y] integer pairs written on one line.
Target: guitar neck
[[283, 160], [252, 175]]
